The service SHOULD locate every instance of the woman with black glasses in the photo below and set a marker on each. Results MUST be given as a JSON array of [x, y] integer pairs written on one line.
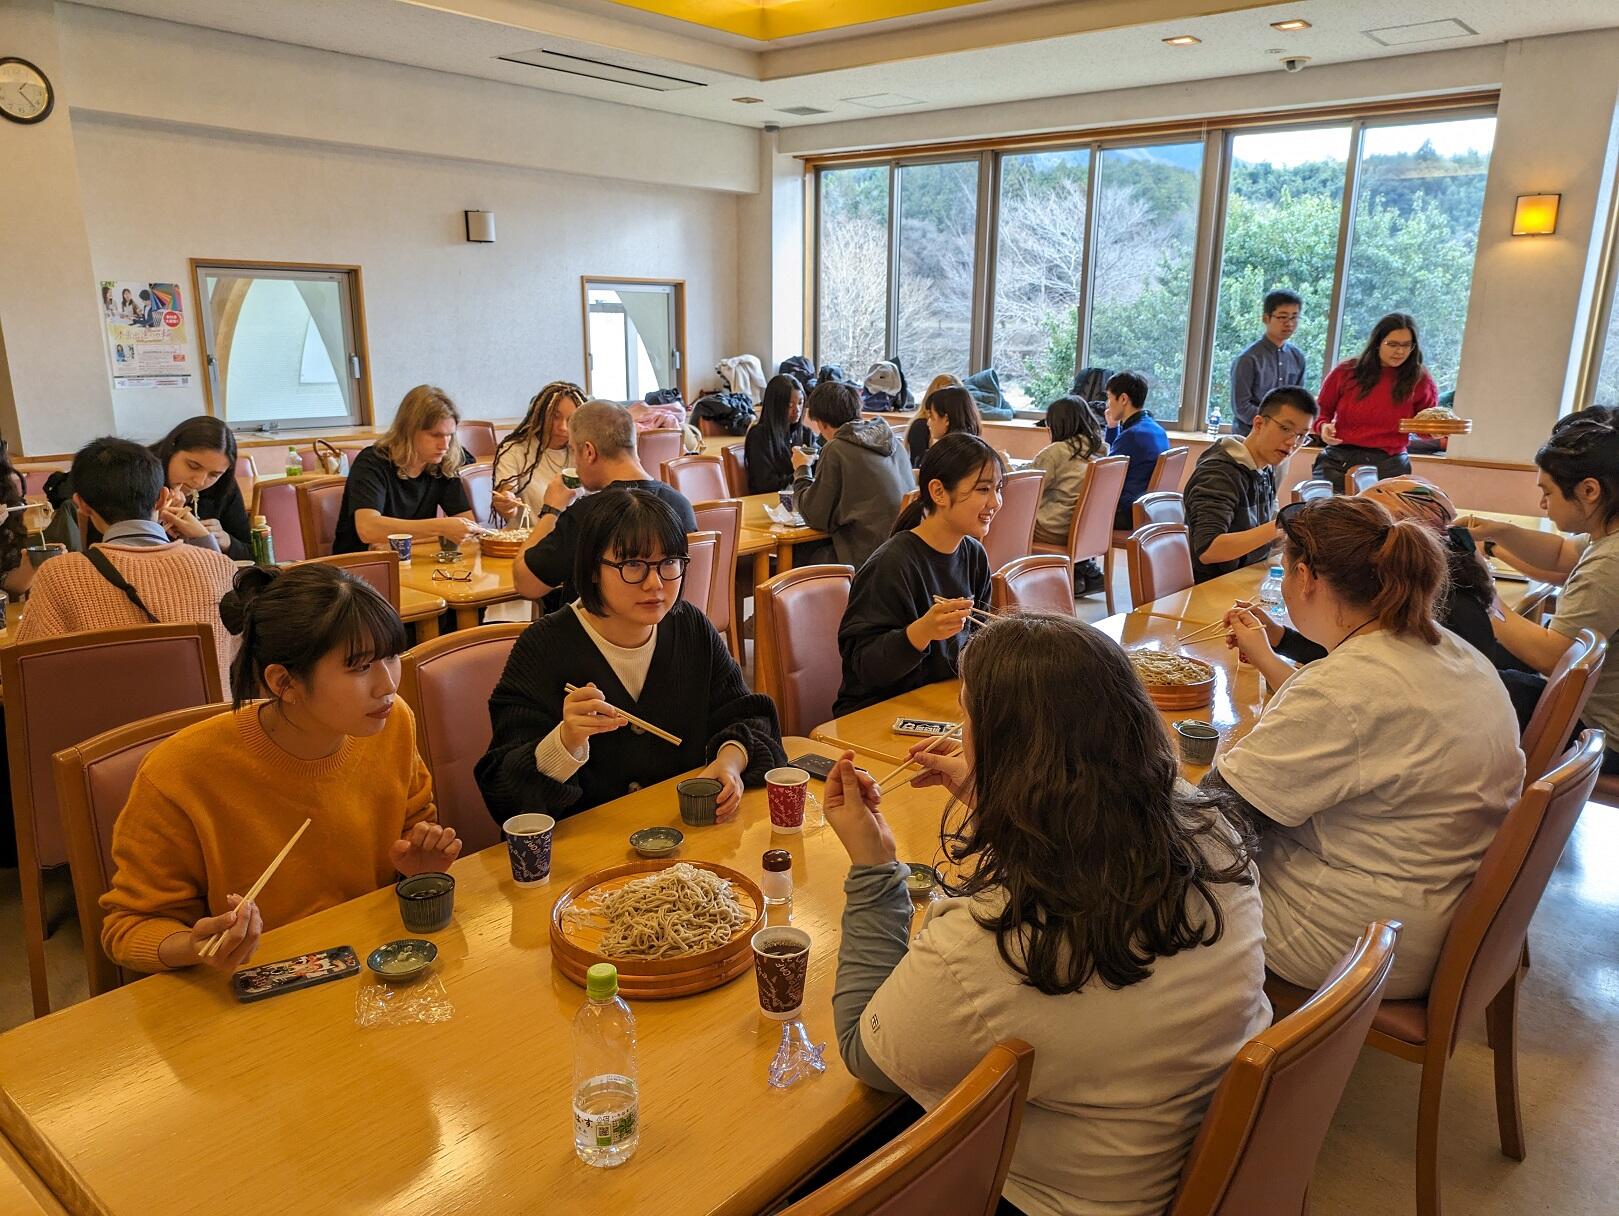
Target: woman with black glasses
[[628, 643], [1363, 400]]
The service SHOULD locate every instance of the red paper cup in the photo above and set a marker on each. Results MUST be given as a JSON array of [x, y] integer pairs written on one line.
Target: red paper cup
[[788, 790]]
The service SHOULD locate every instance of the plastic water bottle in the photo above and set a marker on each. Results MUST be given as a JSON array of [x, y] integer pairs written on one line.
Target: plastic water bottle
[[606, 1100], [295, 463], [1270, 591], [1214, 420]]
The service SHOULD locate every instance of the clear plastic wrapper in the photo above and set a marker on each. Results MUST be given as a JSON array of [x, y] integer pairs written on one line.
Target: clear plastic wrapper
[[797, 1058], [378, 1004]]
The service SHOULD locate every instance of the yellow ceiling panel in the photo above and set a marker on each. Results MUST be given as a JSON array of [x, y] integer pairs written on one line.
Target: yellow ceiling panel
[[766, 20]]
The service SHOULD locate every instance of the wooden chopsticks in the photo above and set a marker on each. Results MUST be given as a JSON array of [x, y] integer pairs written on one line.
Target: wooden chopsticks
[[211, 946], [634, 721], [982, 616], [931, 748]]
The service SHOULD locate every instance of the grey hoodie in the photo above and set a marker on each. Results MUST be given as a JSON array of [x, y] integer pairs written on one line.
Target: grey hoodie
[[859, 482]]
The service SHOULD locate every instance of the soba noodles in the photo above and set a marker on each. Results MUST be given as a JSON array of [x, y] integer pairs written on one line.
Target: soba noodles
[[681, 910], [1159, 667]]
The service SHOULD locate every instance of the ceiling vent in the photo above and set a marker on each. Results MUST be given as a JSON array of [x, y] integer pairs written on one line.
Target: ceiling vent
[[598, 69], [801, 111], [1423, 31], [883, 101]]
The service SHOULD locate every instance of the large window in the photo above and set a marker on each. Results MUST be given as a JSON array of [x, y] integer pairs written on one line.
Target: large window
[[634, 333], [852, 287], [1606, 389], [938, 228]]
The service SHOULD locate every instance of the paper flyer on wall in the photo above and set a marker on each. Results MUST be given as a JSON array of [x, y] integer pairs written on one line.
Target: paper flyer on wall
[[147, 343]]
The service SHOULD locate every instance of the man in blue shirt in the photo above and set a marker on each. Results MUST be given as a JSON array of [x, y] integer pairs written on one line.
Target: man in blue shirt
[[1132, 432], [1270, 363]]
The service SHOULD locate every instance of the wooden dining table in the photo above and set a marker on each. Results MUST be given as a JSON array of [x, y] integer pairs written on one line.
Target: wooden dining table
[[765, 540], [489, 582], [22, 1191], [167, 1096]]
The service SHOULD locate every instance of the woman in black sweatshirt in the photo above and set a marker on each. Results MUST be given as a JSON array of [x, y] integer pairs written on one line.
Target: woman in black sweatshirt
[[910, 605], [629, 643], [769, 443]]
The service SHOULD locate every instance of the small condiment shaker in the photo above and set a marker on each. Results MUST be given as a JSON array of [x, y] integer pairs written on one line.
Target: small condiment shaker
[[777, 880]]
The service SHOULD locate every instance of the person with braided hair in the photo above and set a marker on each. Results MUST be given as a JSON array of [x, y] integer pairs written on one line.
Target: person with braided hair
[[534, 454], [1579, 491]]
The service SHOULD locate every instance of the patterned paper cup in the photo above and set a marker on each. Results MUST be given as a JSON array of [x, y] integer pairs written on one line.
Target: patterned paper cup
[[781, 965], [788, 791], [528, 844]]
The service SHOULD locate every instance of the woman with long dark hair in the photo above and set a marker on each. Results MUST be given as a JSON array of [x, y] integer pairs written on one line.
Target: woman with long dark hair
[[1363, 400], [770, 441], [919, 434], [534, 455], [1076, 441], [911, 603], [199, 469], [1107, 916]]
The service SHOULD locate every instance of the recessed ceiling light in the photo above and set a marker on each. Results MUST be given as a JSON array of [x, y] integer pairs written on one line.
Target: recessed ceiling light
[[1288, 27], [1183, 40], [749, 101]]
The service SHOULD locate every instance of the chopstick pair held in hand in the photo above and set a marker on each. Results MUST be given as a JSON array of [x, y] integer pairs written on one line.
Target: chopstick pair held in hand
[[650, 729], [932, 748], [211, 947], [980, 616]]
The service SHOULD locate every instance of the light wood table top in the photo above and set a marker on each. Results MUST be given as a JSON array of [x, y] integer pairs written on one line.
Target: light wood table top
[[22, 1192], [1208, 602], [763, 539], [491, 581], [417, 605], [168, 1096]]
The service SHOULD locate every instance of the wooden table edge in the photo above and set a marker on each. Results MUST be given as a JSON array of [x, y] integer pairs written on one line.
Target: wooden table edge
[[49, 1167]]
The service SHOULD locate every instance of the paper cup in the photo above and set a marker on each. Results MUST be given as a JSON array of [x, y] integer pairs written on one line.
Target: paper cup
[[528, 844], [400, 543], [788, 791], [781, 965], [1198, 741], [699, 801]]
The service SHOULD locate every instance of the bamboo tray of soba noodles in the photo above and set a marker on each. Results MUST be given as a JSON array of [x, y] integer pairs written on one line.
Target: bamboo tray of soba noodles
[[1174, 680], [1435, 420], [672, 928], [507, 542]]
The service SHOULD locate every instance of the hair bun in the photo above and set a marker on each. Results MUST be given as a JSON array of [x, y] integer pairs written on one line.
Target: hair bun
[[237, 604]]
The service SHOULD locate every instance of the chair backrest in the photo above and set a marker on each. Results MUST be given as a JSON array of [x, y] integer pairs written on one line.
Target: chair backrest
[[477, 440], [1011, 532], [699, 478], [447, 682], [320, 499], [1312, 489], [1160, 562], [798, 617], [1091, 533], [1484, 945], [698, 586], [379, 567], [93, 779], [1163, 507], [1360, 477], [277, 501], [478, 480], [247, 476], [62, 690], [1043, 582], [1266, 1122], [1561, 703], [952, 1161], [655, 449], [735, 456], [1295, 469], [1167, 470], [725, 518]]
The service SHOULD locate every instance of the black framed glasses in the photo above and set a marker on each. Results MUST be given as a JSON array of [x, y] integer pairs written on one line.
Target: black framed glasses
[[452, 576], [635, 570]]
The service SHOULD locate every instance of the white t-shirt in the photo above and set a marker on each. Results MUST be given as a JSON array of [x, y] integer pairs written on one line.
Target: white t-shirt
[[1590, 600], [1387, 767], [516, 458]]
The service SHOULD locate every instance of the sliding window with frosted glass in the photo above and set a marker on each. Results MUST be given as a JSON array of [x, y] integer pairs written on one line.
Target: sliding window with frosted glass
[[1145, 232], [283, 346], [852, 287], [938, 232], [1418, 197]]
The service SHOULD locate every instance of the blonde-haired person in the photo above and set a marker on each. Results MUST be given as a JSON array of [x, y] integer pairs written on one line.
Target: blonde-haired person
[[533, 456], [918, 436], [402, 481]]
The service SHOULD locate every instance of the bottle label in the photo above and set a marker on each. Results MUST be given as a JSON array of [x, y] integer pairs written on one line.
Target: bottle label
[[604, 1130]]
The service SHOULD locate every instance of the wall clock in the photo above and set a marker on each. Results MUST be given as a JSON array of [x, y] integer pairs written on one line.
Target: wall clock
[[25, 93]]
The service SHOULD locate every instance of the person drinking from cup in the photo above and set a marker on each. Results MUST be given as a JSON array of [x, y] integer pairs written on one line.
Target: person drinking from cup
[[629, 643], [330, 741]]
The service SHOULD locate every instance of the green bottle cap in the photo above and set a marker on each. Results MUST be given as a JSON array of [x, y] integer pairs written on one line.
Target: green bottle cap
[[601, 982]]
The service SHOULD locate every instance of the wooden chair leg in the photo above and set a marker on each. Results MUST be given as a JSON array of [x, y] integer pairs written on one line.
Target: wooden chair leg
[[1107, 576], [33, 929], [1428, 1104], [1503, 1017]]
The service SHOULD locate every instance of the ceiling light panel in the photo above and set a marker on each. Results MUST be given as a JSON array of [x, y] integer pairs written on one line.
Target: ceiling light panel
[[883, 101], [1290, 27], [1422, 31], [1182, 40]]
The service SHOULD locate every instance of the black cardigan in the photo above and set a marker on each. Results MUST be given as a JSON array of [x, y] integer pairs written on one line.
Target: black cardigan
[[694, 690]]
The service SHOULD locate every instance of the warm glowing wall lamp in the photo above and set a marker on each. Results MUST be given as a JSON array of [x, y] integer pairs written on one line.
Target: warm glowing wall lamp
[[1536, 215]]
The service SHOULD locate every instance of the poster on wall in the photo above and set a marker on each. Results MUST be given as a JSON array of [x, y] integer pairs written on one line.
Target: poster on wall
[[147, 343]]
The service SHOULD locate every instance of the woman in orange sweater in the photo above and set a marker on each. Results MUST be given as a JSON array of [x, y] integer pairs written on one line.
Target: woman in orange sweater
[[213, 804]]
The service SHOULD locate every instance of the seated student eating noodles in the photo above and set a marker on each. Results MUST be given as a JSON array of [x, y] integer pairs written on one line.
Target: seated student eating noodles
[[1363, 399], [911, 604], [1231, 494], [602, 434], [1106, 914], [215, 802], [1076, 441], [1579, 491], [1380, 773], [403, 480], [135, 575], [534, 455], [920, 433], [1134, 433], [857, 484], [628, 643], [769, 443]]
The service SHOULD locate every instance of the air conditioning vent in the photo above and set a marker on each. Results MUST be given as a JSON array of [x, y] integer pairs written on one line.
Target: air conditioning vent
[[801, 111], [883, 101], [1422, 31], [598, 69]]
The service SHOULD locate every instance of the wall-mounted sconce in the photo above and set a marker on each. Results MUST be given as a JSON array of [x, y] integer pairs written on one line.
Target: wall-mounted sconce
[[480, 227], [1536, 215]]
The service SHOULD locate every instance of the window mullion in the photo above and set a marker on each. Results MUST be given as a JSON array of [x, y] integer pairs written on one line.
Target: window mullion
[[1340, 271]]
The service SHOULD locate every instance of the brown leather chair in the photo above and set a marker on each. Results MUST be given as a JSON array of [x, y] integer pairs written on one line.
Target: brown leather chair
[[1482, 959], [1312, 489], [657, 448], [952, 1161], [319, 501], [62, 690], [698, 586], [1266, 1122], [1167, 470], [1561, 703], [735, 456], [477, 440], [1091, 533], [798, 617], [478, 480], [1011, 532], [447, 683], [247, 476], [93, 779], [1163, 507], [379, 567], [723, 517], [1159, 558], [1041, 582], [277, 501], [699, 478], [1360, 477]]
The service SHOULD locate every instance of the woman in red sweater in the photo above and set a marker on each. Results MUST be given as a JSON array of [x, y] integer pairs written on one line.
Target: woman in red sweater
[[1362, 401]]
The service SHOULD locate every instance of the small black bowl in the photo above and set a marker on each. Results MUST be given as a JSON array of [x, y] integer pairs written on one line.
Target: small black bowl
[[426, 901]]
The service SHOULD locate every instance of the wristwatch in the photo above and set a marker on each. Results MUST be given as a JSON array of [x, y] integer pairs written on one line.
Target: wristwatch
[[548, 509]]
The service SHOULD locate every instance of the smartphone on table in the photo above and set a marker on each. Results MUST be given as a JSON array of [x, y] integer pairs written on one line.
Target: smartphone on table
[[291, 974]]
